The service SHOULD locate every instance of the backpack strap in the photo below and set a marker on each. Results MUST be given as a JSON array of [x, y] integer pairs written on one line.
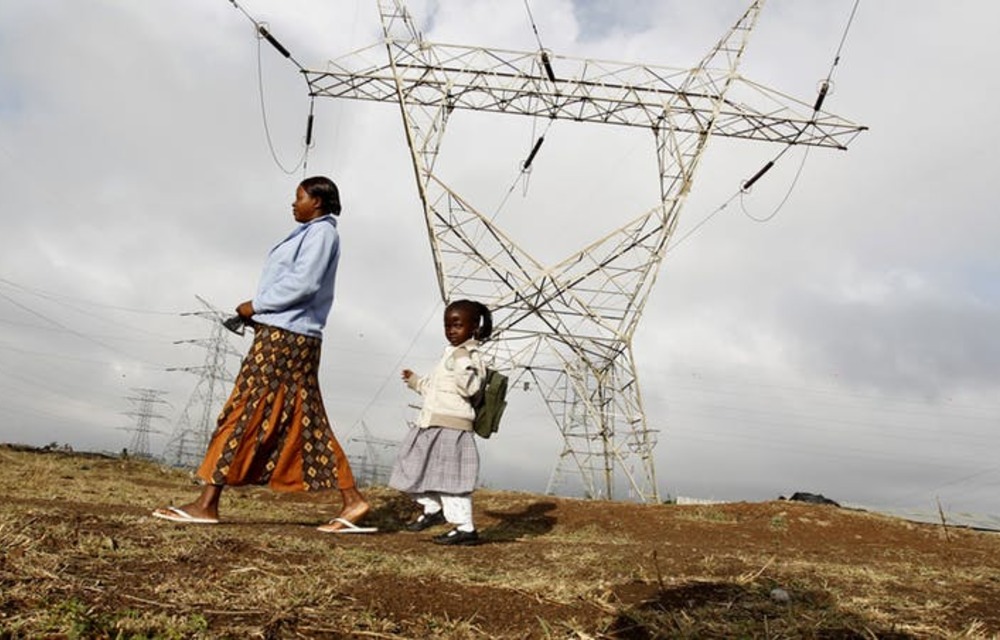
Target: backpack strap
[[473, 354], [477, 361]]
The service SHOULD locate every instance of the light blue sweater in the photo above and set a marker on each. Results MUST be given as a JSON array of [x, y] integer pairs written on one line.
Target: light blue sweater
[[295, 291]]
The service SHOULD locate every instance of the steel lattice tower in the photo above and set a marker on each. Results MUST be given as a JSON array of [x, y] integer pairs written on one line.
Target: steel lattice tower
[[568, 326], [144, 413], [196, 424], [371, 468]]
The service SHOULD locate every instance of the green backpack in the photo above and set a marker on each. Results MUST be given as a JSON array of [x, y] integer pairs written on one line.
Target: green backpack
[[489, 403]]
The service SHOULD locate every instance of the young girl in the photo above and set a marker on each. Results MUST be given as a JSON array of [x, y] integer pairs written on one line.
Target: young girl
[[438, 462]]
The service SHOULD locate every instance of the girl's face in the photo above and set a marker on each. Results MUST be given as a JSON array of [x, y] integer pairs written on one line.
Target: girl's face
[[306, 207], [459, 326]]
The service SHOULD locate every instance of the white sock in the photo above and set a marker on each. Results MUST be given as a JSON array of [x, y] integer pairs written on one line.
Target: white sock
[[458, 511], [430, 502]]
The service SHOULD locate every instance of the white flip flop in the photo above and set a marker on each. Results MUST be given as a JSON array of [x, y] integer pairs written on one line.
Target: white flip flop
[[348, 527], [176, 514]]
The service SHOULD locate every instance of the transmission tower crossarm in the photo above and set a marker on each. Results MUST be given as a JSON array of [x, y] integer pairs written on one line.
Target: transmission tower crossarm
[[817, 129], [597, 91]]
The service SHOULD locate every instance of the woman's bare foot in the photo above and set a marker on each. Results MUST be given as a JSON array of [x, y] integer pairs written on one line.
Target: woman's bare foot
[[203, 510], [354, 510]]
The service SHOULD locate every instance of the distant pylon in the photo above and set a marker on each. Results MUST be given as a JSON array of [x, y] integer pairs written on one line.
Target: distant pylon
[[144, 414], [194, 428], [370, 469]]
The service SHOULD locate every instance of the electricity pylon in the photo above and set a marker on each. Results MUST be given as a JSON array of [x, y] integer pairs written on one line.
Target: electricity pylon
[[569, 325], [371, 469], [144, 414], [196, 424]]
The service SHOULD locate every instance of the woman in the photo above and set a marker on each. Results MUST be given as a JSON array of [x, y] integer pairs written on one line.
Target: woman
[[274, 428]]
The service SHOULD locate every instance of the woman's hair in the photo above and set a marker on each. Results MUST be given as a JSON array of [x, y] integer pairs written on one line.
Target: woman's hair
[[325, 190], [479, 313]]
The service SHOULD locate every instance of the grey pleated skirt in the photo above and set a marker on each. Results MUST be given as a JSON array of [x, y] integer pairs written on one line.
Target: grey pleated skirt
[[436, 459]]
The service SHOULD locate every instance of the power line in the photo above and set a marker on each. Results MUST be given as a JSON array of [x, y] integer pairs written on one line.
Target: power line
[[843, 39], [395, 370], [811, 423], [70, 330], [534, 27], [264, 33], [64, 298], [524, 172], [37, 327], [824, 89]]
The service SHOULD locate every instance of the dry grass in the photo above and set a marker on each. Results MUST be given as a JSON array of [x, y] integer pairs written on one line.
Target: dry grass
[[81, 558]]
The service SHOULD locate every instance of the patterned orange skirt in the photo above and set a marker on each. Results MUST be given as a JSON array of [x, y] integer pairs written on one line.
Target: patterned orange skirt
[[273, 429]]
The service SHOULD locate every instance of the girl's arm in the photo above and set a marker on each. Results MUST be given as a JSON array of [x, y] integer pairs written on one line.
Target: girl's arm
[[413, 381]]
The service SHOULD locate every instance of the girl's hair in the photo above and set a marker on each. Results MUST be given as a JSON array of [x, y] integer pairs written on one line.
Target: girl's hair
[[479, 313], [325, 190]]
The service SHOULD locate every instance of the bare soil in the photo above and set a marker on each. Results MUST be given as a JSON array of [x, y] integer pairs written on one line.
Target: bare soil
[[81, 557]]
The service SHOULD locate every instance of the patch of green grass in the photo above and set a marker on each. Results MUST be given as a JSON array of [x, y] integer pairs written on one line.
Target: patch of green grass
[[75, 619], [589, 534], [778, 523], [707, 514]]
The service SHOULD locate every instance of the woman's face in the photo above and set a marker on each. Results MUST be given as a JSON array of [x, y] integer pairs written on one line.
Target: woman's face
[[458, 326], [305, 207]]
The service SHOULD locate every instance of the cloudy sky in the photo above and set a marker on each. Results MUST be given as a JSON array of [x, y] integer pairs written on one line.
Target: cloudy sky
[[834, 331]]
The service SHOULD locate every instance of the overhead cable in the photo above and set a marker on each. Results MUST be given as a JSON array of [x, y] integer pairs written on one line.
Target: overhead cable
[[264, 33], [824, 89]]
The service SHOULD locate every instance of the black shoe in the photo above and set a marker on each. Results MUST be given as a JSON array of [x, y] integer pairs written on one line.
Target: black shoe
[[426, 521], [457, 537]]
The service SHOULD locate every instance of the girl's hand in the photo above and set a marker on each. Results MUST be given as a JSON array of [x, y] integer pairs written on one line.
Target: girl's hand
[[407, 374], [245, 309]]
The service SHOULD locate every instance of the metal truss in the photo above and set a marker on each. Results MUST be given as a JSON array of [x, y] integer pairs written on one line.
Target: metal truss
[[374, 466], [193, 430], [144, 413], [568, 326]]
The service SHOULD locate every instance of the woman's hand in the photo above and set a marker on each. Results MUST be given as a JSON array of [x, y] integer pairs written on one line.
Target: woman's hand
[[245, 310], [407, 374]]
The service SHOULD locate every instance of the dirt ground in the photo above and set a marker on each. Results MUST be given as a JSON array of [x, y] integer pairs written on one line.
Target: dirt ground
[[80, 557]]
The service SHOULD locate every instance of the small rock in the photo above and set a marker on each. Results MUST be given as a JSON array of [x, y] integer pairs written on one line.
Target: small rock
[[780, 595]]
